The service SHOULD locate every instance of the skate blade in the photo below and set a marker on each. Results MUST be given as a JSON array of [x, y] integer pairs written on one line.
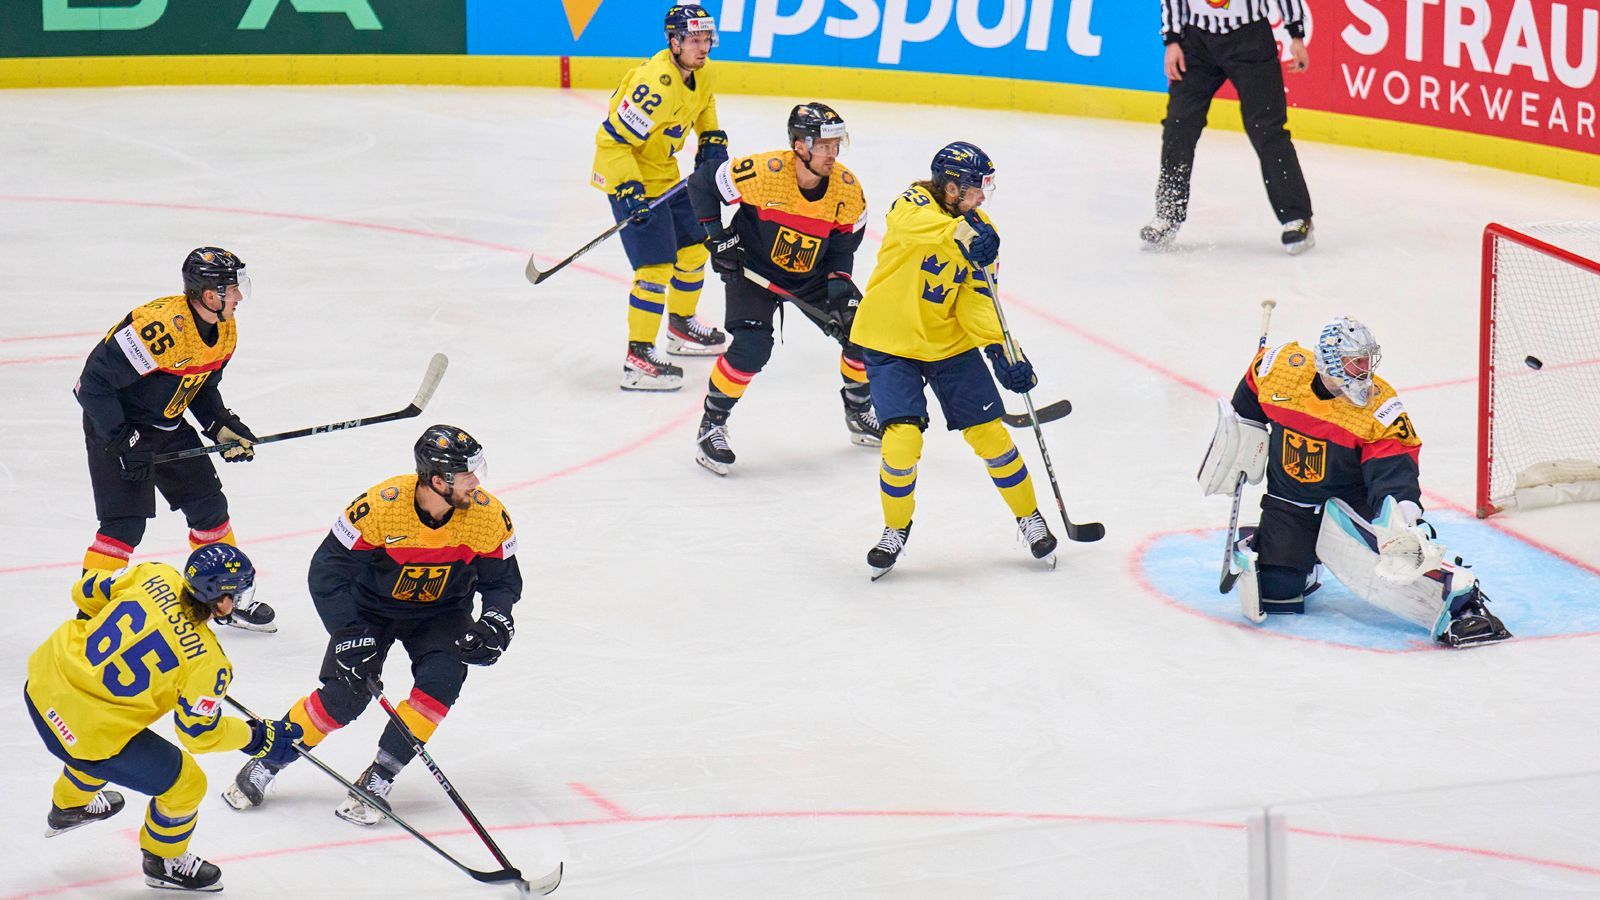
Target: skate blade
[[1048, 561], [879, 573], [263, 628], [151, 881], [1300, 247], [650, 384], [684, 348], [356, 814], [50, 832], [865, 440], [711, 465], [236, 798]]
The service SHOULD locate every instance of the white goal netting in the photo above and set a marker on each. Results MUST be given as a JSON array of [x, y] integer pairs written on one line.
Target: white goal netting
[[1539, 416]]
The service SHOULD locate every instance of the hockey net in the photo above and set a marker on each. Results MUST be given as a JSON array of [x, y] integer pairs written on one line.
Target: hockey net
[[1539, 366]]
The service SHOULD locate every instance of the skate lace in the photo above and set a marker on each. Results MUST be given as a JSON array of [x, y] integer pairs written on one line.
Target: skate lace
[[1033, 528], [377, 785], [716, 436], [99, 804], [869, 417], [698, 330], [186, 865], [261, 775], [892, 541]]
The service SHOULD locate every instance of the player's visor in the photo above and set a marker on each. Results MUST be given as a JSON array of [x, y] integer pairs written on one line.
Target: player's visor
[[244, 283], [702, 25]]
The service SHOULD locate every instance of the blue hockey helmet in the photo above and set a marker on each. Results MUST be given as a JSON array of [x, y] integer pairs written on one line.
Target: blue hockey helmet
[[213, 269], [217, 570], [965, 165], [690, 18]]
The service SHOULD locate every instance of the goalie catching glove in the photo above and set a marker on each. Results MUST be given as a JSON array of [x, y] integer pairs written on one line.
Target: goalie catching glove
[[1238, 447]]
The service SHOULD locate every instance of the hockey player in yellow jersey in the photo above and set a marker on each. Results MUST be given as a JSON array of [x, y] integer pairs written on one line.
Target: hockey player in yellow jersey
[[402, 564], [928, 318], [1340, 456], [635, 164], [163, 359], [97, 684], [793, 238]]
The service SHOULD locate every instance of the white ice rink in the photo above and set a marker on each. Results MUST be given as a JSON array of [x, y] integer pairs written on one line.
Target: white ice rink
[[706, 698]]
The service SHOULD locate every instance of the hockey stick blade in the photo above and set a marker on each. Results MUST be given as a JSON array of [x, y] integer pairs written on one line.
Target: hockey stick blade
[[430, 382], [1047, 413], [1085, 532]]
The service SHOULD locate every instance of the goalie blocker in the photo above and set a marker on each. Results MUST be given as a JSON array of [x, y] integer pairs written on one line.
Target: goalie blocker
[[1392, 562]]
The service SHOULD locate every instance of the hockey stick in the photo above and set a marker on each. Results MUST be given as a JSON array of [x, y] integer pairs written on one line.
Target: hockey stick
[[545, 885], [507, 875], [1229, 576], [430, 381], [1087, 531], [536, 275], [1047, 413]]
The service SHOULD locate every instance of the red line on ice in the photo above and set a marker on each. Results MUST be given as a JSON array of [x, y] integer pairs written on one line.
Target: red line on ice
[[594, 796]]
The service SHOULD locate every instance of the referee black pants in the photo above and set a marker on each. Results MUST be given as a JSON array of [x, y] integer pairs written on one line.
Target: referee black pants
[[1248, 57]]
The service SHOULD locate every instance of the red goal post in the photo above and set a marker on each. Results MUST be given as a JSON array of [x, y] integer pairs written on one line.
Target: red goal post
[[1539, 366]]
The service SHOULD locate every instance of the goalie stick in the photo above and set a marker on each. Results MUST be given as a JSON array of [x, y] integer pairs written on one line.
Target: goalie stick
[[507, 875], [537, 275], [430, 381], [1229, 576], [1047, 413], [376, 689]]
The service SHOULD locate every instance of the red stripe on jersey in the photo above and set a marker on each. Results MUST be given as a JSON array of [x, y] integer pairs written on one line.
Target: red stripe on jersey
[[1391, 447], [431, 709], [1250, 373], [1310, 425], [817, 228], [194, 370], [459, 553], [362, 544]]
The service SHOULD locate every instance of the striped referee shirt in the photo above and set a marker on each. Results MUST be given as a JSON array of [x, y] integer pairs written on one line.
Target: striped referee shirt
[[1223, 16]]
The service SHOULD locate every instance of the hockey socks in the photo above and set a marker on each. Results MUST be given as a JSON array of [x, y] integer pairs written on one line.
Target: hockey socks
[[1006, 469], [897, 475]]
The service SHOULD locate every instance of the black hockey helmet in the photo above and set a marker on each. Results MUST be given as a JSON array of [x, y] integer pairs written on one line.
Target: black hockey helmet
[[446, 451], [217, 570], [811, 122], [212, 269]]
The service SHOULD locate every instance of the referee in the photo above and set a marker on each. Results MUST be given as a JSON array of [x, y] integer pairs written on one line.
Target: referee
[[1209, 42]]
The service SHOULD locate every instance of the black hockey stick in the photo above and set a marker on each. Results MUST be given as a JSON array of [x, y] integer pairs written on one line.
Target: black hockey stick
[[507, 875], [1047, 413], [544, 885], [430, 381], [536, 275], [1229, 576], [1082, 533]]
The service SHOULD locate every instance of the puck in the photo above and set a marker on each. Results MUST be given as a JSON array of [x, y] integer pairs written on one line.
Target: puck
[[1534, 363]]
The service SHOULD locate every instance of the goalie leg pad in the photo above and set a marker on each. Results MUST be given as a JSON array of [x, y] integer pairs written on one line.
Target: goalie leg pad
[[1244, 559], [1348, 546], [1238, 447]]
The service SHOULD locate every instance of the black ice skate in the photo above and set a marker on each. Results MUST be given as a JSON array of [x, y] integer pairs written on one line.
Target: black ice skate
[[251, 615], [862, 420], [184, 873], [645, 369], [104, 805], [377, 781], [882, 557], [249, 787], [1160, 232], [712, 448], [1041, 543], [1297, 236], [1472, 623], [688, 336]]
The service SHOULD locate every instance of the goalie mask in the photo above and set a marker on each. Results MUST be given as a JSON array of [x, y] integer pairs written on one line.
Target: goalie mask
[[1347, 355]]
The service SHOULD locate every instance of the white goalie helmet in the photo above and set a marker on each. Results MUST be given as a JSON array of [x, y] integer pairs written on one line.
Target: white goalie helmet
[[1347, 355]]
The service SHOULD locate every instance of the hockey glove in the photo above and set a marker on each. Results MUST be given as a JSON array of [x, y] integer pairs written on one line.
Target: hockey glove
[[630, 197], [713, 149], [227, 428], [727, 257], [357, 656], [843, 298], [487, 638], [135, 459], [983, 248], [1016, 377], [273, 742]]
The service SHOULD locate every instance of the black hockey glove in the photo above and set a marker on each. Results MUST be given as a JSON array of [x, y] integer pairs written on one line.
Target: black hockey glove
[[984, 247], [127, 444], [843, 298], [1016, 377], [727, 256], [228, 428], [486, 638], [273, 742], [713, 149], [357, 656], [630, 196]]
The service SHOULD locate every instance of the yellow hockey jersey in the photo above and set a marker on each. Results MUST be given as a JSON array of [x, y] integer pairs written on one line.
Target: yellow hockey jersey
[[98, 682], [651, 112], [924, 300]]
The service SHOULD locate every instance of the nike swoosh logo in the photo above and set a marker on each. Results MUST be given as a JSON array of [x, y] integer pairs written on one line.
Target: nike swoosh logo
[[1277, 399], [771, 203], [182, 362], [391, 539], [987, 405]]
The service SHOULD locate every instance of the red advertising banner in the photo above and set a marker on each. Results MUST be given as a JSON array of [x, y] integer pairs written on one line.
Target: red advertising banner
[[1520, 69]]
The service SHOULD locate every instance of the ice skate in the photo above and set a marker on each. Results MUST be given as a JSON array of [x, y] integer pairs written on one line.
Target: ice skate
[[712, 448], [183, 873], [1298, 237], [862, 420], [104, 805], [378, 782], [882, 557], [251, 614], [644, 369], [249, 787], [688, 336], [1041, 543], [1472, 623], [1159, 232]]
